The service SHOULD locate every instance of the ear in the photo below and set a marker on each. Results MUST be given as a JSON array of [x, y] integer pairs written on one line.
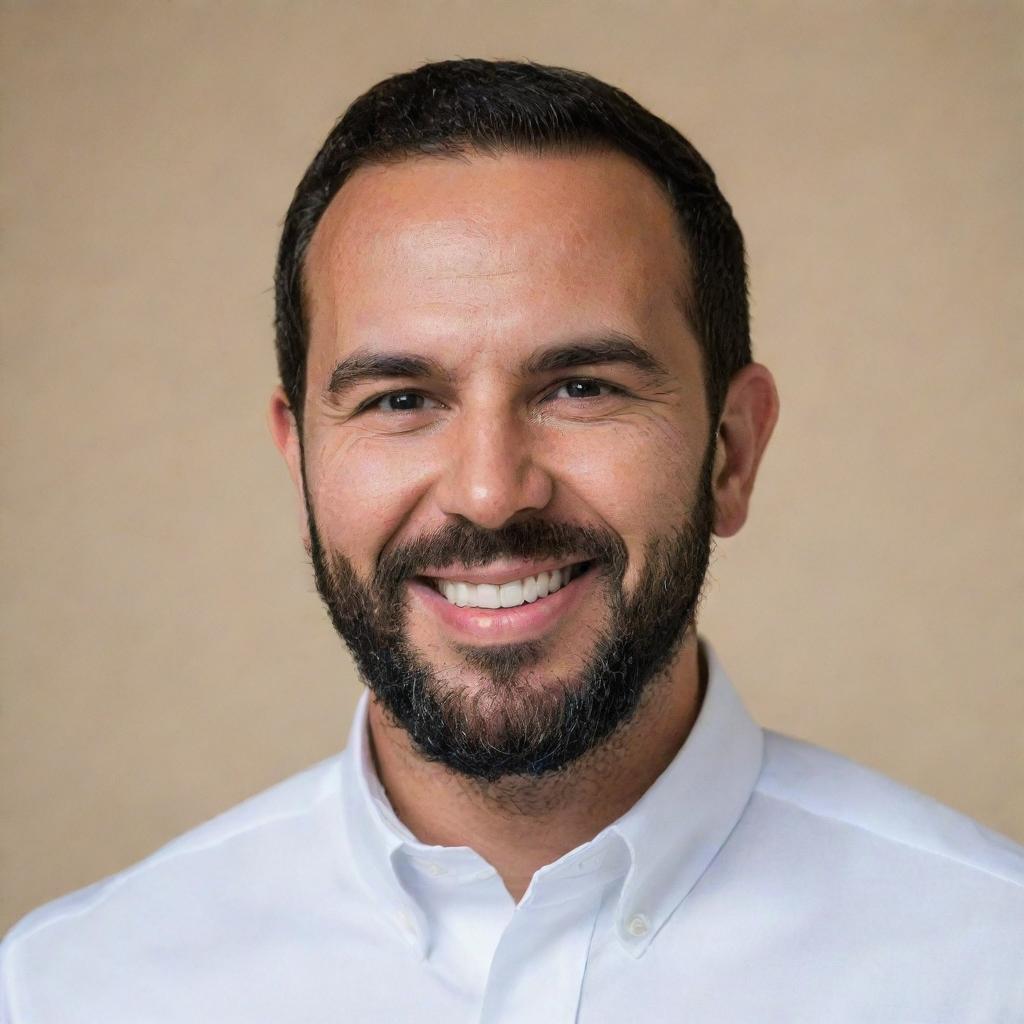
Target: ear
[[748, 417], [285, 433]]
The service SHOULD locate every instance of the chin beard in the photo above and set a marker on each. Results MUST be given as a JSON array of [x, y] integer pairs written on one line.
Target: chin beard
[[517, 725]]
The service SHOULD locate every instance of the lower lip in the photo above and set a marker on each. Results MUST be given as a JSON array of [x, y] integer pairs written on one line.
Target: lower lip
[[506, 625]]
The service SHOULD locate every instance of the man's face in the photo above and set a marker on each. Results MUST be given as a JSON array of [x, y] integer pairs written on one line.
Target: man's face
[[502, 382]]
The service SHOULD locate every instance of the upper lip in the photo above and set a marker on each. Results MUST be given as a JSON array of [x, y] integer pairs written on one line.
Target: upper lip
[[502, 571]]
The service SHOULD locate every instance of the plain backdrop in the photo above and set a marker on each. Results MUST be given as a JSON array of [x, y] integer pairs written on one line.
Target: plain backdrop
[[164, 653]]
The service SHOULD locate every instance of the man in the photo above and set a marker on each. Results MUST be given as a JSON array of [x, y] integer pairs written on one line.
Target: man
[[517, 401]]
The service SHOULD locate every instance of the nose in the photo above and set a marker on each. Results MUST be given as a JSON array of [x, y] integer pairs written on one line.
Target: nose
[[492, 473]]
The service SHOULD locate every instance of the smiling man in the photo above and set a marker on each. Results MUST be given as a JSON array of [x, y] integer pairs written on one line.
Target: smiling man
[[517, 401]]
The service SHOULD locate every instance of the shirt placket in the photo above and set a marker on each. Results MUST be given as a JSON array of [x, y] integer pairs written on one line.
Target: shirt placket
[[540, 961]]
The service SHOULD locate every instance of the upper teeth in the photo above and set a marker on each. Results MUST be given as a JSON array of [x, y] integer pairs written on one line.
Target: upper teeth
[[507, 595]]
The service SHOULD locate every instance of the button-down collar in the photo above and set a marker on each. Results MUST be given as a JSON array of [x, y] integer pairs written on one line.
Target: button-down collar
[[659, 848]]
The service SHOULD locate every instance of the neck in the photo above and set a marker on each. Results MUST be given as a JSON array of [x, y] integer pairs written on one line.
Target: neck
[[520, 824]]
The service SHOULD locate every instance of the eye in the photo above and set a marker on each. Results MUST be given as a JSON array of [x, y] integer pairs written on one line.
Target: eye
[[397, 402], [584, 387]]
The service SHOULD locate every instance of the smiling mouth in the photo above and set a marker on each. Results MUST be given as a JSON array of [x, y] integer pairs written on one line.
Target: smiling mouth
[[507, 595]]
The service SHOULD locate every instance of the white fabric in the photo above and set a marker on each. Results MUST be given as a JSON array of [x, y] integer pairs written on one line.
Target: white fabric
[[759, 880]]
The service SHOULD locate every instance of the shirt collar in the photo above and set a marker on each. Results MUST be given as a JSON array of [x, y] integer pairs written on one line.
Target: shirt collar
[[666, 840], [676, 828]]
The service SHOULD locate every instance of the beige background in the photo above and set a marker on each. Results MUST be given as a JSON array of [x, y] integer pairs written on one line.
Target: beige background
[[164, 654]]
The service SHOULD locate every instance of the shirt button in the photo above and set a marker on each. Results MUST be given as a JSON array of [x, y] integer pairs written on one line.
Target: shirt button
[[638, 926], [405, 919], [434, 869]]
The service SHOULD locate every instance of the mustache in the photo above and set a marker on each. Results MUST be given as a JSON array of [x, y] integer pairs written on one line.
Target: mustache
[[465, 543]]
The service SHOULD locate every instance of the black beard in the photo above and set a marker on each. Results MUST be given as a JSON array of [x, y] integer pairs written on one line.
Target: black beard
[[513, 727]]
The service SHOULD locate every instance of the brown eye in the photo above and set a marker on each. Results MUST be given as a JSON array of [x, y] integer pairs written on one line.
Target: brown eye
[[397, 402], [406, 401], [583, 388]]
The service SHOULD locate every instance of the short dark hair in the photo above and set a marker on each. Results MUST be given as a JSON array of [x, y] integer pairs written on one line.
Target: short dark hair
[[458, 106]]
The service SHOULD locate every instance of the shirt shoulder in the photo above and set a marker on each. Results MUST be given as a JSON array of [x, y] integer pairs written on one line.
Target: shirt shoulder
[[919, 904], [202, 882], [847, 797]]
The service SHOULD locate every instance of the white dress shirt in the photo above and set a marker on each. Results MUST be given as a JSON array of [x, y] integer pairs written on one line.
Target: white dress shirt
[[759, 880]]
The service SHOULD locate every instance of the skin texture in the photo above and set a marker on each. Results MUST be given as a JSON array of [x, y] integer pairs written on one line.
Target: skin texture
[[478, 263]]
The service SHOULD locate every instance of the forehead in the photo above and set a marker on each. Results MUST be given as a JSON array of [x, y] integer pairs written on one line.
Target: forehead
[[485, 251]]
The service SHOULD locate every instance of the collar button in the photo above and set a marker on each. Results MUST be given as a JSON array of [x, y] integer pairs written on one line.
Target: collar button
[[406, 922], [638, 926]]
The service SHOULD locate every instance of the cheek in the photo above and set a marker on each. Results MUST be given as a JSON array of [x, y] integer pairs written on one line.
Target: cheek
[[639, 479], [362, 495]]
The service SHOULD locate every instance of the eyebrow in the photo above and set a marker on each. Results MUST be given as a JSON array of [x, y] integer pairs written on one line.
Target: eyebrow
[[612, 347], [360, 367]]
